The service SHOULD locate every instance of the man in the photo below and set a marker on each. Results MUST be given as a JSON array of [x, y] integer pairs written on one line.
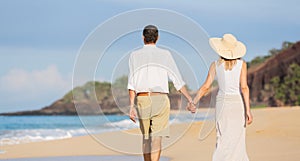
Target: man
[[149, 70]]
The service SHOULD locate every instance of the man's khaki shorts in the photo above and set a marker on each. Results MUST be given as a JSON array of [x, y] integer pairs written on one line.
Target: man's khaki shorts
[[154, 112]]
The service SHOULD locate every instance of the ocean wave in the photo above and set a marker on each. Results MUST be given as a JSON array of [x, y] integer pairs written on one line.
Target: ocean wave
[[10, 137], [16, 130], [122, 125]]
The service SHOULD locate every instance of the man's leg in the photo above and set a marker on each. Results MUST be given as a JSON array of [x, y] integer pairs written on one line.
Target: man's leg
[[160, 124], [144, 104], [147, 149], [155, 148], [145, 129]]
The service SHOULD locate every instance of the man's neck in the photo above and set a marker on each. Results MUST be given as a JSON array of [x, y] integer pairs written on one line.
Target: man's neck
[[150, 44]]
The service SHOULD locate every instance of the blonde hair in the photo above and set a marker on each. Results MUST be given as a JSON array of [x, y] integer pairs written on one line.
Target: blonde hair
[[228, 63]]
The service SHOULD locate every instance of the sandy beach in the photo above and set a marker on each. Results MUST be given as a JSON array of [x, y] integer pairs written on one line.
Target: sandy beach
[[273, 136]]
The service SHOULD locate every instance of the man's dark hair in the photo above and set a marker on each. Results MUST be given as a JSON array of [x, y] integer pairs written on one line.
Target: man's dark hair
[[150, 33]]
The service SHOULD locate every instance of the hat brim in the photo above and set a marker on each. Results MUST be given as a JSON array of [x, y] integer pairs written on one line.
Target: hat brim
[[218, 46]]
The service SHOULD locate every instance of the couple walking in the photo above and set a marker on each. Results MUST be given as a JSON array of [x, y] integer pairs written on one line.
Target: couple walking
[[149, 70]]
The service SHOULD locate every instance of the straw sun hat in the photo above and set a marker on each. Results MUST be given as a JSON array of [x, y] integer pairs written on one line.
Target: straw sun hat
[[228, 47]]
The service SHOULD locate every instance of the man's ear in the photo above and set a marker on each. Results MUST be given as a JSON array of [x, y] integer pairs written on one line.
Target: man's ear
[[157, 38], [144, 39]]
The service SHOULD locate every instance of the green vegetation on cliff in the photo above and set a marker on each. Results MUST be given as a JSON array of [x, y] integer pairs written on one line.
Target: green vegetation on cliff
[[102, 89], [287, 88], [260, 59]]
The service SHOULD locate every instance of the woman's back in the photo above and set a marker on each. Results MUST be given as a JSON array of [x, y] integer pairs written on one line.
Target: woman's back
[[231, 110], [229, 80]]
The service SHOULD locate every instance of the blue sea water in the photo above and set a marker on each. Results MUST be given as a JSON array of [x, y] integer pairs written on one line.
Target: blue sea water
[[23, 129]]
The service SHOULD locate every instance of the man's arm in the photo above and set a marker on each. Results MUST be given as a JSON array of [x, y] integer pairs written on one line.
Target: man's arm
[[132, 111], [175, 76], [186, 94], [130, 86]]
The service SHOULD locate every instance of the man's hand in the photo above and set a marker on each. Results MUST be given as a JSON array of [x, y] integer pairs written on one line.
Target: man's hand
[[132, 111], [132, 114]]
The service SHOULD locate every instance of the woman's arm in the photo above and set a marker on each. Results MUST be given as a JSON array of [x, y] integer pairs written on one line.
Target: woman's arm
[[205, 87], [245, 92]]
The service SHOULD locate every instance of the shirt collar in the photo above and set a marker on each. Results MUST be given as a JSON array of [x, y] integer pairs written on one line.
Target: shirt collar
[[150, 46]]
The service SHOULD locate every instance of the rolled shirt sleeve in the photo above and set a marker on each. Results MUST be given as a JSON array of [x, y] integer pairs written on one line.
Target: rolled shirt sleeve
[[174, 74], [130, 84]]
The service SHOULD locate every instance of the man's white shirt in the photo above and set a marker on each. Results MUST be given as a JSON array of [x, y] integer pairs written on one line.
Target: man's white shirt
[[149, 70]]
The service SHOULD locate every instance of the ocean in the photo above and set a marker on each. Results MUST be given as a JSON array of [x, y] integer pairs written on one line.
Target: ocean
[[24, 129]]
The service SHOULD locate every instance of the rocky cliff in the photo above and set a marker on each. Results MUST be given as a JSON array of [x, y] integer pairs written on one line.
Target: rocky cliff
[[260, 76]]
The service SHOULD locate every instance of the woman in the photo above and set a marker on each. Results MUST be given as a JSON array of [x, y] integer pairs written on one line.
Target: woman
[[232, 112]]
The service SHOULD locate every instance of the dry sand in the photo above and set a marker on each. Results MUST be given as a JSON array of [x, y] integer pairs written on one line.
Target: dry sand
[[273, 136]]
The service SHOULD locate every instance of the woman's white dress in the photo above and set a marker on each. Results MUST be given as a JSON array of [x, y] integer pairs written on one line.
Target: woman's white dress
[[230, 116]]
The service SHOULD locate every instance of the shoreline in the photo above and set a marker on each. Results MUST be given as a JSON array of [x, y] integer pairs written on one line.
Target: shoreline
[[274, 135]]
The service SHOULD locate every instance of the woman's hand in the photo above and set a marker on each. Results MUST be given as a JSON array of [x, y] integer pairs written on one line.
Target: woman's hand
[[249, 117]]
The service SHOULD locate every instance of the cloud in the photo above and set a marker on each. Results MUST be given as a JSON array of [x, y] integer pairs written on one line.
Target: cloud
[[21, 86], [19, 80]]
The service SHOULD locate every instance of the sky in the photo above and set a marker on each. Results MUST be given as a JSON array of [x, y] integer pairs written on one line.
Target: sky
[[40, 39]]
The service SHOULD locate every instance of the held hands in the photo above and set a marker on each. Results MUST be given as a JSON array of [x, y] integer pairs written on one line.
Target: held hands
[[132, 114], [191, 107]]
